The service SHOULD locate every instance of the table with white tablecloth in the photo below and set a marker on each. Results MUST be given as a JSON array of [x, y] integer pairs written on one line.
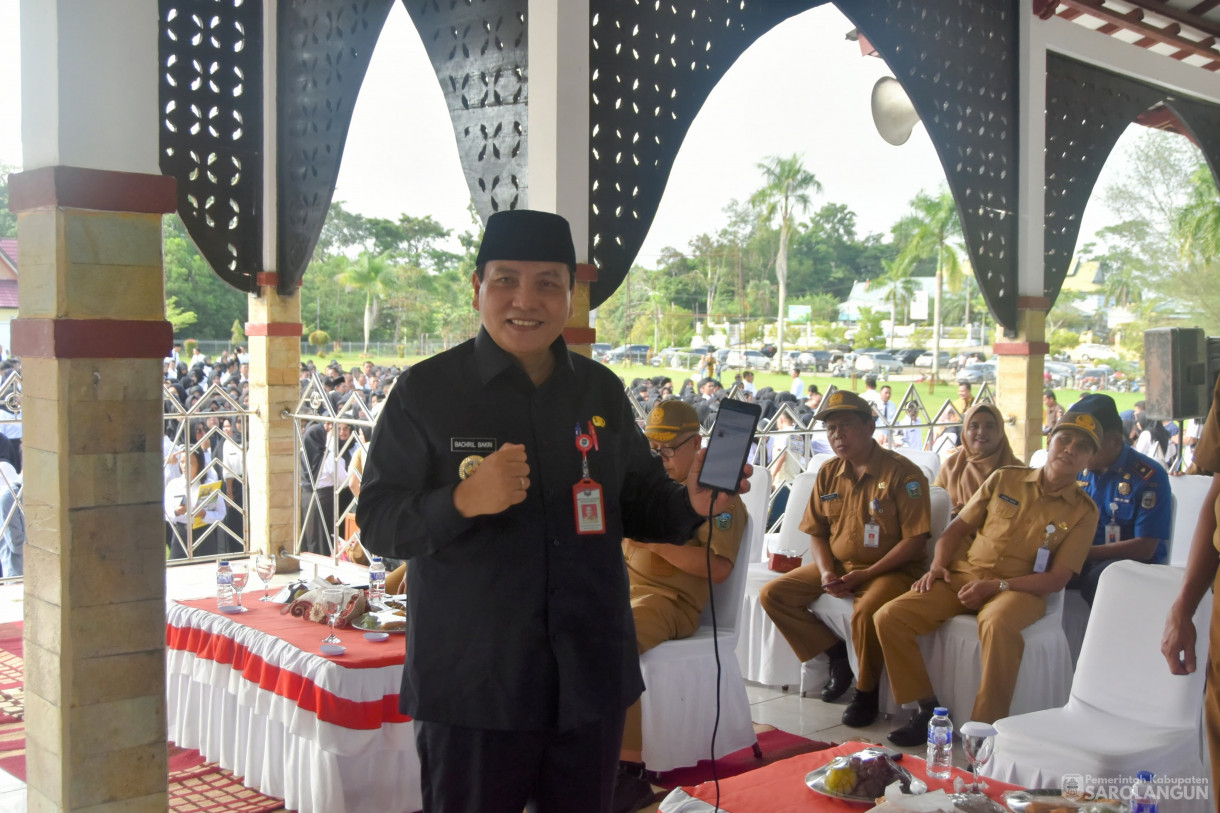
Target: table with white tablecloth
[[253, 693]]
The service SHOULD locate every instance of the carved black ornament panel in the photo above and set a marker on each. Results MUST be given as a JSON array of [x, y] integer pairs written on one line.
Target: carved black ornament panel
[[652, 66], [957, 61], [1087, 110], [324, 51], [479, 50], [211, 130]]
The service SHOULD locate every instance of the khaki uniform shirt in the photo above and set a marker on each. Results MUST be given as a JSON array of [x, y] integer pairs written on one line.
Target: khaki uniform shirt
[[1011, 511], [659, 576], [841, 505], [1207, 450]]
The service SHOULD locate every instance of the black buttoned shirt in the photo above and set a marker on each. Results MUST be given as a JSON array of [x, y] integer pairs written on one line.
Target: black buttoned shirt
[[515, 621]]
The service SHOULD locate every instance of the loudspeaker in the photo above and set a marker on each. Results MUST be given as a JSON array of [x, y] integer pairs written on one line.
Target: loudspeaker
[[893, 113], [1176, 360]]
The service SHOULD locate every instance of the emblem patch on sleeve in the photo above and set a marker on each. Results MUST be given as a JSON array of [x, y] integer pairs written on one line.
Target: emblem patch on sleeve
[[724, 521], [1148, 501], [913, 489]]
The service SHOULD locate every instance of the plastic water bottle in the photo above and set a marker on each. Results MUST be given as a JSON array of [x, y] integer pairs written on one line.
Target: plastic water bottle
[[225, 595], [940, 744], [1143, 794], [376, 579]]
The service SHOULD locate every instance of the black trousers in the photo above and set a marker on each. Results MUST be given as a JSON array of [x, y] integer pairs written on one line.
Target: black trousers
[[474, 770]]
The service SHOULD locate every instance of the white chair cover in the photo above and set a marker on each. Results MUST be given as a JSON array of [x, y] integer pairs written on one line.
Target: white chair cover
[[1037, 459], [836, 614], [680, 677], [763, 654], [1045, 677], [1076, 610], [1190, 492], [1126, 712], [926, 460]]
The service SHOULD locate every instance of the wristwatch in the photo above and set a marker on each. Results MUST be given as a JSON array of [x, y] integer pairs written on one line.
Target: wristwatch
[[1003, 585]]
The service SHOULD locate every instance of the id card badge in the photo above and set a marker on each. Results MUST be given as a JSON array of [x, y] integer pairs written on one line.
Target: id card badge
[[872, 535], [589, 507], [1112, 534], [1042, 560]]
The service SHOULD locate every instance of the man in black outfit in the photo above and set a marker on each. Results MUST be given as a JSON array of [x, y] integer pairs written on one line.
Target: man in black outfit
[[511, 497]]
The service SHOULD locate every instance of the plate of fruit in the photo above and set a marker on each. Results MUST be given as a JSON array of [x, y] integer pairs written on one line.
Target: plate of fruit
[[862, 777]]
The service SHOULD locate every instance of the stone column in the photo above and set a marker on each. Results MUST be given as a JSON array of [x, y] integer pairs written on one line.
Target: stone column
[[578, 334], [1019, 374], [274, 332], [92, 335]]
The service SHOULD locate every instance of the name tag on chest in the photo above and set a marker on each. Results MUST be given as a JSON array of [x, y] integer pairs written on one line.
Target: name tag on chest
[[472, 445]]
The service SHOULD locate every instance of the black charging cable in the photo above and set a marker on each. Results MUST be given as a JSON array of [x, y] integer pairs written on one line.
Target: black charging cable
[[711, 602]]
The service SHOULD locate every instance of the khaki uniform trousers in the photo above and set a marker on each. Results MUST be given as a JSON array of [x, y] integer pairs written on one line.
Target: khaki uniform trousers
[[657, 620], [1001, 620], [786, 600], [1211, 697]]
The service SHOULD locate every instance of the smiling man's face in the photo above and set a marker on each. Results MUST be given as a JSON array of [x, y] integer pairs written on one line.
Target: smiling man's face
[[524, 305]]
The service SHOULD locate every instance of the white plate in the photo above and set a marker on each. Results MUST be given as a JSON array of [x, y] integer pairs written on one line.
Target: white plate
[[233, 609], [332, 649], [376, 636]]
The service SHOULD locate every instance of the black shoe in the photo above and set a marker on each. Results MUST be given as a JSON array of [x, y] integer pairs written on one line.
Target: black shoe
[[862, 710], [631, 792], [840, 680], [916, 729]]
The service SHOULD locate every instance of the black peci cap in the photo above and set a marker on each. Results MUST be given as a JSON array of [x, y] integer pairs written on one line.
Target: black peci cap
[[525, 234]]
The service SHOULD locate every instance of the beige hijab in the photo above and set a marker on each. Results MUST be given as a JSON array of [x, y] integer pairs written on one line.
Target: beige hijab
[[964, 472]]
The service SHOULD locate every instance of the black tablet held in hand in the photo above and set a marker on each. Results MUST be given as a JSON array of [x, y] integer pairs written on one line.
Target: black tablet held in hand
[[729, 445]]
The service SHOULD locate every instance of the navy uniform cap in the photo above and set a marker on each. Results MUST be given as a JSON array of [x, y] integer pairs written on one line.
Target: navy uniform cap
[[527, 235], [1102, 408]]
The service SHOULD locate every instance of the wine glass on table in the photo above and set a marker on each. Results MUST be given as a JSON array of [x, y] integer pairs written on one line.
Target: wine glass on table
[[978, 741], [332, 600], [241, 575], [264, 566]]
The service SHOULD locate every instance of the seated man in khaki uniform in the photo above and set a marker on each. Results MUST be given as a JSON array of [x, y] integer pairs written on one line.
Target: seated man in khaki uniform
[[1028, 531], [868, 519], [669, 582]]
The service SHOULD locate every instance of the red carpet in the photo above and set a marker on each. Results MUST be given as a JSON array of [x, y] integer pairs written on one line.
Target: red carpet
[[195, 785], [775, 745]]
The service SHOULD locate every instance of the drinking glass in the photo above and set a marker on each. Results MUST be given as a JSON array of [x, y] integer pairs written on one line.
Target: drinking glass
[[978, 741], [241, 575], [264, 566], [332, 600]]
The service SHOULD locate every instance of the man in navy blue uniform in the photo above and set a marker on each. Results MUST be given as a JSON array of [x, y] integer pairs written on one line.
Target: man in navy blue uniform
[[1132, 495], [510, 495]]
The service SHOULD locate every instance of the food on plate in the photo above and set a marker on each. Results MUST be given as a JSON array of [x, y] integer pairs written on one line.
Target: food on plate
[[1053, 801], [382, 622], [865, 774]]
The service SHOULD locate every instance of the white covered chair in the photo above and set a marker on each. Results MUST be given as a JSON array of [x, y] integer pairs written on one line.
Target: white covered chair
[[1037, 459], [763, 654], [1190, 492], [836, 613], [1126, 712], [1076, 609], [926, 460], [678, 707]]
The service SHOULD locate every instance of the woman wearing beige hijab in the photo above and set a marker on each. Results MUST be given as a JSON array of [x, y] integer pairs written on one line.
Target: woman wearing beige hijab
[[984, 449]]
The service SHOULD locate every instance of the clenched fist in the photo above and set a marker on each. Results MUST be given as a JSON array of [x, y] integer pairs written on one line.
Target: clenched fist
[[500, 482]]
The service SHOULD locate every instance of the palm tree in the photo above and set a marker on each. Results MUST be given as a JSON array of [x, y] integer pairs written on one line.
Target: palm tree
[[900, 287], [933, 222], [1198, 223], [373, 275], [787, 190]]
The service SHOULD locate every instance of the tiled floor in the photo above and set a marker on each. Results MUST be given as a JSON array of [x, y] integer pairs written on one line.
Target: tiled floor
[[788, 711]]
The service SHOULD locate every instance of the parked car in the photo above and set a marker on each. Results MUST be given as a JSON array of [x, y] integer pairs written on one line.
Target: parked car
[[882, 362], [600, 350], [629, 354], [1090, 351], [977, 372], [926, 359], [909, 355], [1061, 372], [785, 362]]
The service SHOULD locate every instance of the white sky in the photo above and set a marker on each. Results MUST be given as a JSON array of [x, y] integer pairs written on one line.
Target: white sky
[[801, 88]]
